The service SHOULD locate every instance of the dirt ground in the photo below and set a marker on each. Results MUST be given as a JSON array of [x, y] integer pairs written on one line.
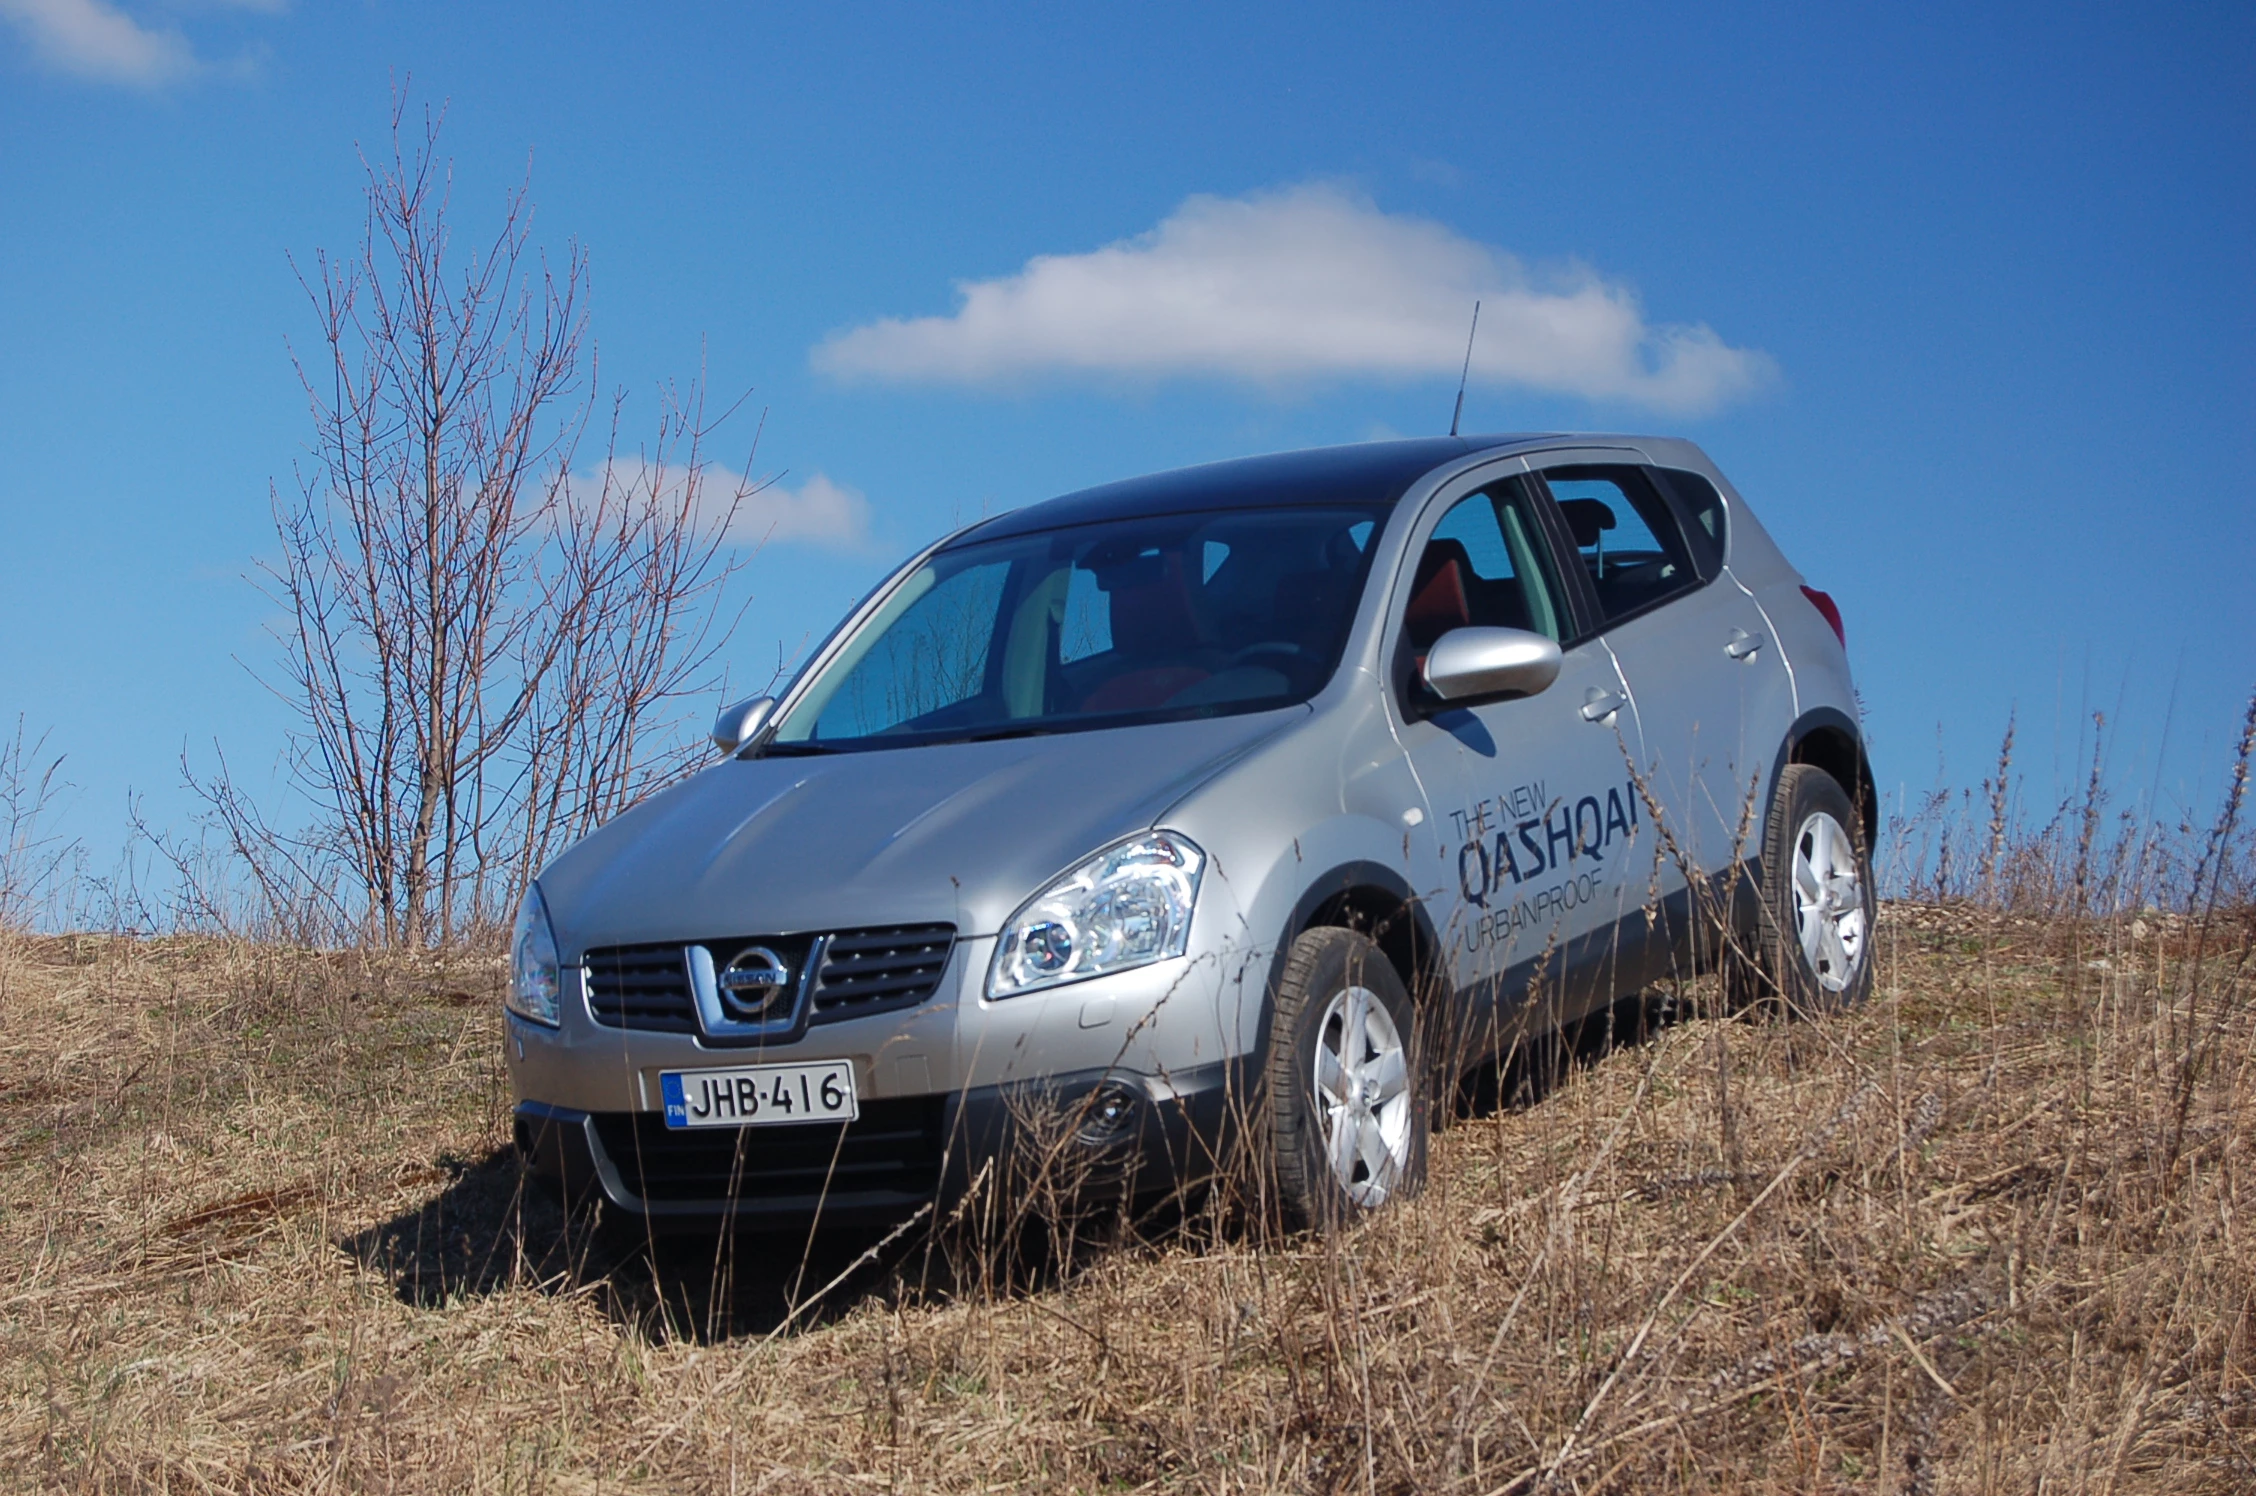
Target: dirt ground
[[259, 1231]]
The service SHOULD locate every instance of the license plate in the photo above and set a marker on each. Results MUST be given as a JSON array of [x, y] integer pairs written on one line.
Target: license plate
[[755, 1095]]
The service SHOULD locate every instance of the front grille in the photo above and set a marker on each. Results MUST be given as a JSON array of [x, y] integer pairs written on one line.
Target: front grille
[[646, 987], [893, 1148], [875, 971], [641, 987]]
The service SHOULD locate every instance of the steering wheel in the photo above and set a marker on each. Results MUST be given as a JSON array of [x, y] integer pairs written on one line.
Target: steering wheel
[[1263, 647]]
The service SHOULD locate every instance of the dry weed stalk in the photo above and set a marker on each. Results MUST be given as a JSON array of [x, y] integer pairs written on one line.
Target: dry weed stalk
[[257, 1233]]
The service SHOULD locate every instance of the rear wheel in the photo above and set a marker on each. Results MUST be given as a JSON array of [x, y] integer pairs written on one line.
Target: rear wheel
[[1817, 896], [1347, 1116]]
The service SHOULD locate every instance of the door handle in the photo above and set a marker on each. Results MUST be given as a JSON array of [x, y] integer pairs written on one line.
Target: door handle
[[1599, 704], [1742, 644]]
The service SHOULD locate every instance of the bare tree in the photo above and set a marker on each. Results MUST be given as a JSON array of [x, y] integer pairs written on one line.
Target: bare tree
[[479, 646]]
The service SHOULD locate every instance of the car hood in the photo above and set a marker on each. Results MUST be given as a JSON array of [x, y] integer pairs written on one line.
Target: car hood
[[956, 832]]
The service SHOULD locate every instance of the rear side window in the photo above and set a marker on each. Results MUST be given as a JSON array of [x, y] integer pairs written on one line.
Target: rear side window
[[1629, 541]]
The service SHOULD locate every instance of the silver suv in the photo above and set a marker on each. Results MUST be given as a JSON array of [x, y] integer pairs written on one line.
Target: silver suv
[[1251, 803]]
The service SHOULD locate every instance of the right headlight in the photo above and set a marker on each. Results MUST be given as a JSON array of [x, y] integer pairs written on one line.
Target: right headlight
[[536, 976], [1128, 906]]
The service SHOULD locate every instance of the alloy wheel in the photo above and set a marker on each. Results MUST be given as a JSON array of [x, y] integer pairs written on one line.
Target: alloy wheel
[[1363, 1089], [1830, 919]]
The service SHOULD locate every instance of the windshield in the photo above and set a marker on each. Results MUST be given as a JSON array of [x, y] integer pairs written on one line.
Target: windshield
[[1152, 619]]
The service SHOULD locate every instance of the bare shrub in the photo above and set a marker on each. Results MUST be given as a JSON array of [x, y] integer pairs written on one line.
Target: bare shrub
[[32, 854], [482, 651]]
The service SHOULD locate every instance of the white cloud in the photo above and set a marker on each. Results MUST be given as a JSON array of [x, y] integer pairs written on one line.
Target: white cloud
[[96, 40], [1309, 283], [818, 513]]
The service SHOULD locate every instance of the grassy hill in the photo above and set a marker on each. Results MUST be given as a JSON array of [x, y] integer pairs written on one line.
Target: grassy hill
[[1994, 1231]]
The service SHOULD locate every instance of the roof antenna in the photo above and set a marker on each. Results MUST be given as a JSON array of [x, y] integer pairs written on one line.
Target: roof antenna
[[1459, 412]]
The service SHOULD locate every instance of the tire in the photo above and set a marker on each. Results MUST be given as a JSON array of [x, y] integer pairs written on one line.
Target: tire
[[1817, 906], [1346, 1140]]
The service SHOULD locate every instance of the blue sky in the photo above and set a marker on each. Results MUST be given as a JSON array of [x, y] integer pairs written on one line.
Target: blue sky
[[1962, 300]]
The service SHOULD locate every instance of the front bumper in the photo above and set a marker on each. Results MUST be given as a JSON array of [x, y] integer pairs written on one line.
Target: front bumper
[[1087, 1137]]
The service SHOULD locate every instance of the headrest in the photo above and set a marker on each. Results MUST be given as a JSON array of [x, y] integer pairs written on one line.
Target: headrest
[[1151, 605], [1437, 593], [1587, 518]]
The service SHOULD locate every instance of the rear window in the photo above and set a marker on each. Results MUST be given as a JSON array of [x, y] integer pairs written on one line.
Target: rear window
[[1703, 510]]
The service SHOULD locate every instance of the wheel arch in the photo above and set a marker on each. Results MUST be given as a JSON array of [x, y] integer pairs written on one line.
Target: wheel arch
[[1828, 738], [1378, 901]]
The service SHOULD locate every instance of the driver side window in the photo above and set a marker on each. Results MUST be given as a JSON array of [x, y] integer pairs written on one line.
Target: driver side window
[[1487, 566]]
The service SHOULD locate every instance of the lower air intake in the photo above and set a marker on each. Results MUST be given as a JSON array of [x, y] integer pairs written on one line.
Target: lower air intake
[[892, 1150]]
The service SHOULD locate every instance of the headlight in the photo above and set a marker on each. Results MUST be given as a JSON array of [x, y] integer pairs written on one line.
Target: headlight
[[535, 976], [1128, 906]]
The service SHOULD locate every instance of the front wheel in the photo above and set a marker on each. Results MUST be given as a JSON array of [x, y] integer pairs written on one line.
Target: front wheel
[[1347, 1115], [1817, 895]]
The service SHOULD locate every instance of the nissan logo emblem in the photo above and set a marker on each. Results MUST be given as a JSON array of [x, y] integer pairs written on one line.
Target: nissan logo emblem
[[752, 981]]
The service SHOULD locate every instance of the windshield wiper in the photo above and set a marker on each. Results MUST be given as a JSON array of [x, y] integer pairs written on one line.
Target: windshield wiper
[[805, 747], [1027, 730]]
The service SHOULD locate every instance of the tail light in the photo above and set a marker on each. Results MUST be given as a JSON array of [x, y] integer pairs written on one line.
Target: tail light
[[1824, 604]]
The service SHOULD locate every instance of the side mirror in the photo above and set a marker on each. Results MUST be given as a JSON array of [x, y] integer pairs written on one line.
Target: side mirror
[[1469, 662], [736, 725]]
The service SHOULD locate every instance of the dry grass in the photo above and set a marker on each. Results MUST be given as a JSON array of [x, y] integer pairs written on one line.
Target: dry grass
[[1991, 1232]]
